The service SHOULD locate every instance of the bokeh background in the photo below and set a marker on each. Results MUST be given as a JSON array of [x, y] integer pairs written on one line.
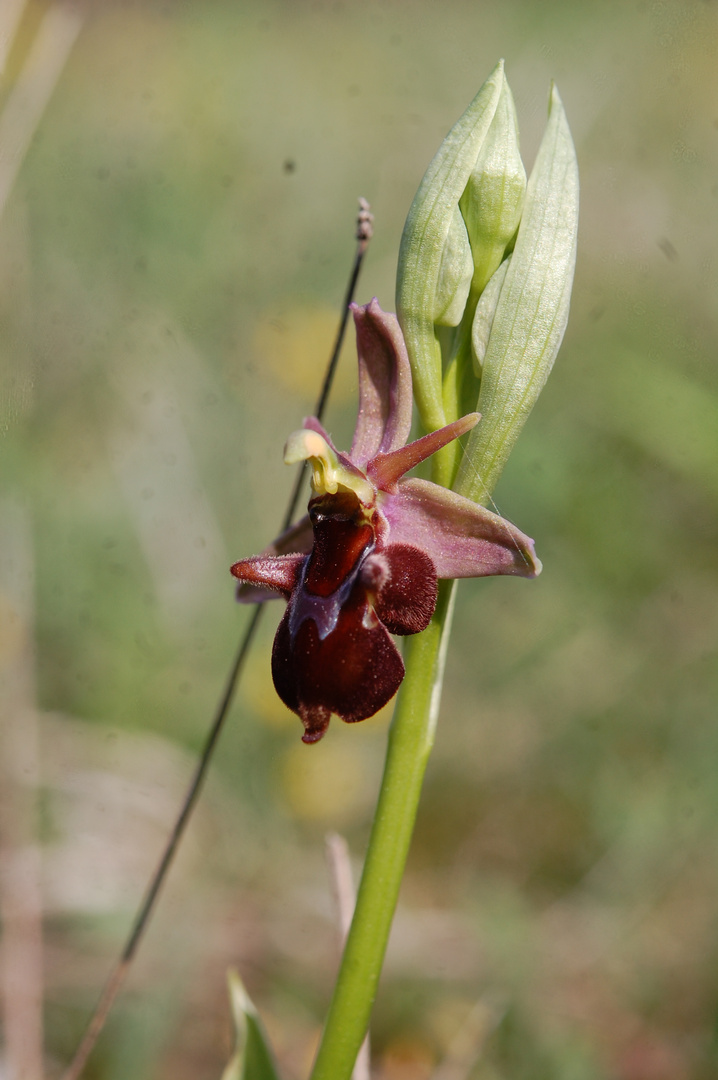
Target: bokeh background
[[173, 251]]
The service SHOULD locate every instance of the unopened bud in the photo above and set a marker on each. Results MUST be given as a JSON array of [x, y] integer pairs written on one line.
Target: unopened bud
[[531, 311]]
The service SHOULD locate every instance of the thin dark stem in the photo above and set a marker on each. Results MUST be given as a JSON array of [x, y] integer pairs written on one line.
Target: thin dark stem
[[364, 232], [117, 977], [365, 225], [119, 972]]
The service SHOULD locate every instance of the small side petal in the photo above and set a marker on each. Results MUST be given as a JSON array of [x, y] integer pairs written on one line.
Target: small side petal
[[385, 469], [461, 538], [385, 402], [298, 538], [278, 573]]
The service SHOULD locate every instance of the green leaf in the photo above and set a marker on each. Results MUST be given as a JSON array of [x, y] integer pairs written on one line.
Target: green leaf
[[532, 309], [252, 1058]]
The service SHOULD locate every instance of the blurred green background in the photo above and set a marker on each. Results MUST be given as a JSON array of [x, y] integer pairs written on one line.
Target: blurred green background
[[172, 258]]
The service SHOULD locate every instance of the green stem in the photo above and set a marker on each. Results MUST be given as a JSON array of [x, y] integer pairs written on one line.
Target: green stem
[[410, 741], [460, 387]]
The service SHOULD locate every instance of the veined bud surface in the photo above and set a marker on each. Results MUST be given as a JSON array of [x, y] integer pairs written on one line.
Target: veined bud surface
[[484, 279]]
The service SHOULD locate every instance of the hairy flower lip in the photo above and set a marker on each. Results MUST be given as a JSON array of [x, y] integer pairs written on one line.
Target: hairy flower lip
[[365, 562]]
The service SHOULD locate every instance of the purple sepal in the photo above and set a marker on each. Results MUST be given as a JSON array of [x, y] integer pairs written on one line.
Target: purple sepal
[[462, 538], [384, 419]]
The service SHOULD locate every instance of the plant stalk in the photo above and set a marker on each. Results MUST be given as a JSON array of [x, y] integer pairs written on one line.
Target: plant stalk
[[411, 738]]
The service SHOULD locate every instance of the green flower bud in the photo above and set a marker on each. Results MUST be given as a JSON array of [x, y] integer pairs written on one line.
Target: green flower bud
[[491, 208], [433, 270], [531, 311], [493, 198]]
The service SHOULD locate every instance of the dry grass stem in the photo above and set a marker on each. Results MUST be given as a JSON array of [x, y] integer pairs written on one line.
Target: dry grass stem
[[340, 868]]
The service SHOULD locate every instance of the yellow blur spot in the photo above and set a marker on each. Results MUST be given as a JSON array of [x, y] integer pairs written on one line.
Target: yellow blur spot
[[336, 780], [326, 782], [407, 1059], [293, 346], [259, 693]]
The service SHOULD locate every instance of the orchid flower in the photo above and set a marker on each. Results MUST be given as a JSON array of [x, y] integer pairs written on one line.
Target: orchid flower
[[365, 562]]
